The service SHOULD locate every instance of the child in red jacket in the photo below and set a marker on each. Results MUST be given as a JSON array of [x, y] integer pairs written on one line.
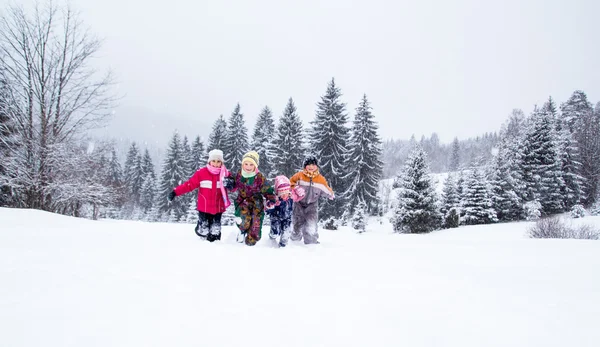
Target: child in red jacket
[[211, 182]]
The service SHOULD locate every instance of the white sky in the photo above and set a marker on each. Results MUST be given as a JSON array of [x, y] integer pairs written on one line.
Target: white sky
[[454, 67]]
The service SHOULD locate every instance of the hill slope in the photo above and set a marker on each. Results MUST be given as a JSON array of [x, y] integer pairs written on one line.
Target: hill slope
[[74, 282]]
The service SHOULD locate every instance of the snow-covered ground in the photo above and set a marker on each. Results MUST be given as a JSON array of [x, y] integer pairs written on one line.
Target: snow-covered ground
[[75, 282]]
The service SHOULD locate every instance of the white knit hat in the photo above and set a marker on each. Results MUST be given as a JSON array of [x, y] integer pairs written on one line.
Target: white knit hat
[[216, 154]]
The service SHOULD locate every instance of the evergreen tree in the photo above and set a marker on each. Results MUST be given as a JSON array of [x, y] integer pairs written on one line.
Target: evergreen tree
[[187, 157], [262, 138], [572, 189], [218, 135], [147, 165], [198, 154], [236, 140], [455, 157], [329, 138], [365, 155], [575, 109], [541, 165], [115, 174], [192, 213], [287, 148], [450, 195], [417, 210], [359, 218], [506, 200], [173, 174], [477, 205], [133, 175], [147, 194]]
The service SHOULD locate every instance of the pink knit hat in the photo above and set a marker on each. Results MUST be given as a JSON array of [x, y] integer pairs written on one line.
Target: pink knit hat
[[281, 183]]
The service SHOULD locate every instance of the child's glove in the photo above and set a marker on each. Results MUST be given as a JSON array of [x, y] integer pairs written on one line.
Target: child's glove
[[238, 220], [171, 195], [270, 204], [298, 193], [228, 182]]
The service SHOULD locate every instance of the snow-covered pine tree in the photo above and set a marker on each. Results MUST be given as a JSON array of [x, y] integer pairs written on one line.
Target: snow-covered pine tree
[[359, 218], [365, 155], [540, 163], [132, 174], [198, 154], [154, 214], [584, 123], [173, 174], [236, 140], [147, 165], [575, 109], [264, 131], [572, 189], [147, 192], [505, 186], [115, 174], [287, 149], [477, 205], [450, 195], [329, 138], [417, 210], [192, 213], [217, 137], [187, 155], [455, 156]]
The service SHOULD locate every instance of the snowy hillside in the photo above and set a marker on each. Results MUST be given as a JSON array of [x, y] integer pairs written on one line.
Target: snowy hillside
[[74, 282]]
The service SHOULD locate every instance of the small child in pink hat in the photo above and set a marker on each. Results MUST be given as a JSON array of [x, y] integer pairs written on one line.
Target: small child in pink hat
[[281, 214]]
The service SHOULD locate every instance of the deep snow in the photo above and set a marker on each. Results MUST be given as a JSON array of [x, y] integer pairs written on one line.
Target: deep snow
[[75, 282]]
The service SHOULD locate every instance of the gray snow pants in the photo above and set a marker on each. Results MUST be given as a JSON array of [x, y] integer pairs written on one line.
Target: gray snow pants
[[305, 222]]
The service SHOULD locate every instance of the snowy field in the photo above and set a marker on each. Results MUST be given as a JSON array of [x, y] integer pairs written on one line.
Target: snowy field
[[75, 282]]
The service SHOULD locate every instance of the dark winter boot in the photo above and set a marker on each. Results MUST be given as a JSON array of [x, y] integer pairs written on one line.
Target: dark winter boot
[[213, 237]]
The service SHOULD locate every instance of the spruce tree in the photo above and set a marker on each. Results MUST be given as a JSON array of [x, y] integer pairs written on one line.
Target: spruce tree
[[236, 140], [287, 149], [173, 174], [572, 189], [198, 154], [506, 200], [450, 195], [365, 155], [417, 210], [147, 194], [262, 138], [584, 124], [133, 175], [455, 156], [359, 218], [541, 165], [218, 135], [329, 138], [477, 205], [115, 174], [147, 165]]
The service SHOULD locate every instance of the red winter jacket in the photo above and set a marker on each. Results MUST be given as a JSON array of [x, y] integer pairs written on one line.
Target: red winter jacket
[[210, 199]]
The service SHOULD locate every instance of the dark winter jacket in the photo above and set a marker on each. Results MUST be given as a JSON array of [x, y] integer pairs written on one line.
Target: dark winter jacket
[[210, 199], [283, 209]]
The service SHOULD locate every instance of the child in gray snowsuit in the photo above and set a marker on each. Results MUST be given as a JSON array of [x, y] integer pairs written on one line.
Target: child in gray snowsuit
[[307, 186]]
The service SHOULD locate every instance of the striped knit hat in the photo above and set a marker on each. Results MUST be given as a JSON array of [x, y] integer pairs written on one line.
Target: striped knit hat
[[252, 157]]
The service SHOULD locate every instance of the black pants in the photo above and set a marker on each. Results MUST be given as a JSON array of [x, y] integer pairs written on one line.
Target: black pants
[[209, 226]]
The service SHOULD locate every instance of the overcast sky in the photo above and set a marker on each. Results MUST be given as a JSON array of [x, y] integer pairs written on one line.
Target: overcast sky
[[457, 68]]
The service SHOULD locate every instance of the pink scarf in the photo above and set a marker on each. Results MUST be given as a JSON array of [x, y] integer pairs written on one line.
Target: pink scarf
[[222, 172]]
